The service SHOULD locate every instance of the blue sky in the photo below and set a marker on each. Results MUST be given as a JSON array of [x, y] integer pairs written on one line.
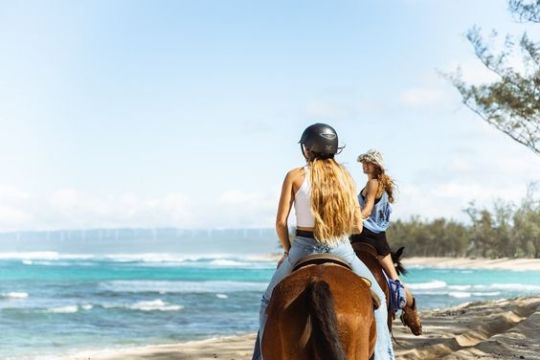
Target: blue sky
[[188, 113]]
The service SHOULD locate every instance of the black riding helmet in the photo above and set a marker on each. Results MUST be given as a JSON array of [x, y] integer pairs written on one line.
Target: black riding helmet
[[320, 139]]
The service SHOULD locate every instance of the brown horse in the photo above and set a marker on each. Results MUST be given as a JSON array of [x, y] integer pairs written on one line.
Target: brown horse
[[311, 316], [368, 255]]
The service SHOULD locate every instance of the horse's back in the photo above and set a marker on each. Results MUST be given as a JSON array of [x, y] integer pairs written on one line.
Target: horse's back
[[288, 328], [368, 255]]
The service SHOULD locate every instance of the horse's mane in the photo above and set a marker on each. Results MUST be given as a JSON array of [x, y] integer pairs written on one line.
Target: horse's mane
[[396, 259]]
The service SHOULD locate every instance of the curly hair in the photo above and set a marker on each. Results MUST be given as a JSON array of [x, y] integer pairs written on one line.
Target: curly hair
[[386, 183]]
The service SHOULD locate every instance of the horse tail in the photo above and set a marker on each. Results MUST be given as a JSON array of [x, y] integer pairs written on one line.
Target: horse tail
[[324, 336], [396, 259]]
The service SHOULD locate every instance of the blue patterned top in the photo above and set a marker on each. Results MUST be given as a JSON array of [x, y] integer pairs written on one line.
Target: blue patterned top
[[379, 220]]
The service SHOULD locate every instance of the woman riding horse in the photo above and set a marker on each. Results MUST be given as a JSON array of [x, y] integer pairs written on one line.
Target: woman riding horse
[[323, 194], [375, 200]]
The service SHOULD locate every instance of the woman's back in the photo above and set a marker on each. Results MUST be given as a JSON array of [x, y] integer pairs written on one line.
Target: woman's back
[[324, 200], [379, 219], [302, 200]]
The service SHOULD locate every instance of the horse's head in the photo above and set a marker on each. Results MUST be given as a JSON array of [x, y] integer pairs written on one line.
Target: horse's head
[[396, 259]]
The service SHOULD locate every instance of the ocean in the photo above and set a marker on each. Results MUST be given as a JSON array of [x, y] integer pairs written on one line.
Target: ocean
[[55, 304]]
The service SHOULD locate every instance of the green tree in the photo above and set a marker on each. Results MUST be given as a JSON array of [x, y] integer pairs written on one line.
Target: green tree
[[527, 225], [505, 230], [458, 239], [512, 103], [504, 245], [439, 243], [491, 232]]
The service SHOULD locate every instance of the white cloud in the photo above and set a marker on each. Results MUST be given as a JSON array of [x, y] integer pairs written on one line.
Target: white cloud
[[473, 71], [70, 208], [479, 192], [433, 90], [237, 208], [241, 198], [13, 218], [429, 91], [441, 188], [460, 165], [445, 190], [73, 209], [13, 207], [8, 193], [450, 199]]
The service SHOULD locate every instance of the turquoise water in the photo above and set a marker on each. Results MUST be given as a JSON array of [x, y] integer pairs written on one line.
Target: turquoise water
[[53, 303]]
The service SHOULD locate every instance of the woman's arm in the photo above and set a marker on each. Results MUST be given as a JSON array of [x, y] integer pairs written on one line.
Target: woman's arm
[[284, 208], [371, 192], [357, 221]]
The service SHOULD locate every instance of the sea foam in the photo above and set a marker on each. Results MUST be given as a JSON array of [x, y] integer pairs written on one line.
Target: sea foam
[[164, 286], [53, 258], [15, 295], [459, 294], [152, 305], [155, 305], [69, 309], [435, 284]]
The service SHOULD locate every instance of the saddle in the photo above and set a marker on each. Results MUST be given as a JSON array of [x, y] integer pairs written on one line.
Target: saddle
[[329, 259], [320, 259]]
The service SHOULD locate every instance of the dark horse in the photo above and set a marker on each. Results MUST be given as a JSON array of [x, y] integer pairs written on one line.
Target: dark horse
[[368, 255], [311, 316]]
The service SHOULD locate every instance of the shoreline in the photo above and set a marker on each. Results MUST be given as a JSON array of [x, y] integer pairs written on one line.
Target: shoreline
[[520, 264], [497, 329], [445, 262], [235, 347]]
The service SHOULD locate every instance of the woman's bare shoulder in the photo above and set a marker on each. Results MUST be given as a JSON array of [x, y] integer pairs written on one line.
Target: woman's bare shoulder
[[295, 177], [293, 173], [372, 185]]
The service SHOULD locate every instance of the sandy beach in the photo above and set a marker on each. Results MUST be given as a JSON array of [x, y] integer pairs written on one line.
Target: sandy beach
[[502, 329]]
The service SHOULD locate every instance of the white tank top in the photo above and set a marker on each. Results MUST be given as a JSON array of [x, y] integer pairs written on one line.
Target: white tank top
[[302, 203]]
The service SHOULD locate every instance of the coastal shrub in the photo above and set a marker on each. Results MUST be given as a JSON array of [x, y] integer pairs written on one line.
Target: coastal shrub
[[506, 230]]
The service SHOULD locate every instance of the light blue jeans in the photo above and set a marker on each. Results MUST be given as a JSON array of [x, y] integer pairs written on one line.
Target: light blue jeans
[[303, 246]]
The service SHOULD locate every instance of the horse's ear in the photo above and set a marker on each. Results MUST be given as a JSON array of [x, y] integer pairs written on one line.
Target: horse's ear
[[399, 251]]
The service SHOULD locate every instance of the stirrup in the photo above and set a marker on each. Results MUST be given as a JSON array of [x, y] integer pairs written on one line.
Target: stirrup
[[398, 298]]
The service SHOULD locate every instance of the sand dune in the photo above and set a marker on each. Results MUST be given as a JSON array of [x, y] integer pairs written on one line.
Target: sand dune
[[503, 329]]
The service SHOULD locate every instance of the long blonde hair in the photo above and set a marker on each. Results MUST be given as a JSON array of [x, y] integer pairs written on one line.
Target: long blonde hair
[[386, 183], [333, 200]]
